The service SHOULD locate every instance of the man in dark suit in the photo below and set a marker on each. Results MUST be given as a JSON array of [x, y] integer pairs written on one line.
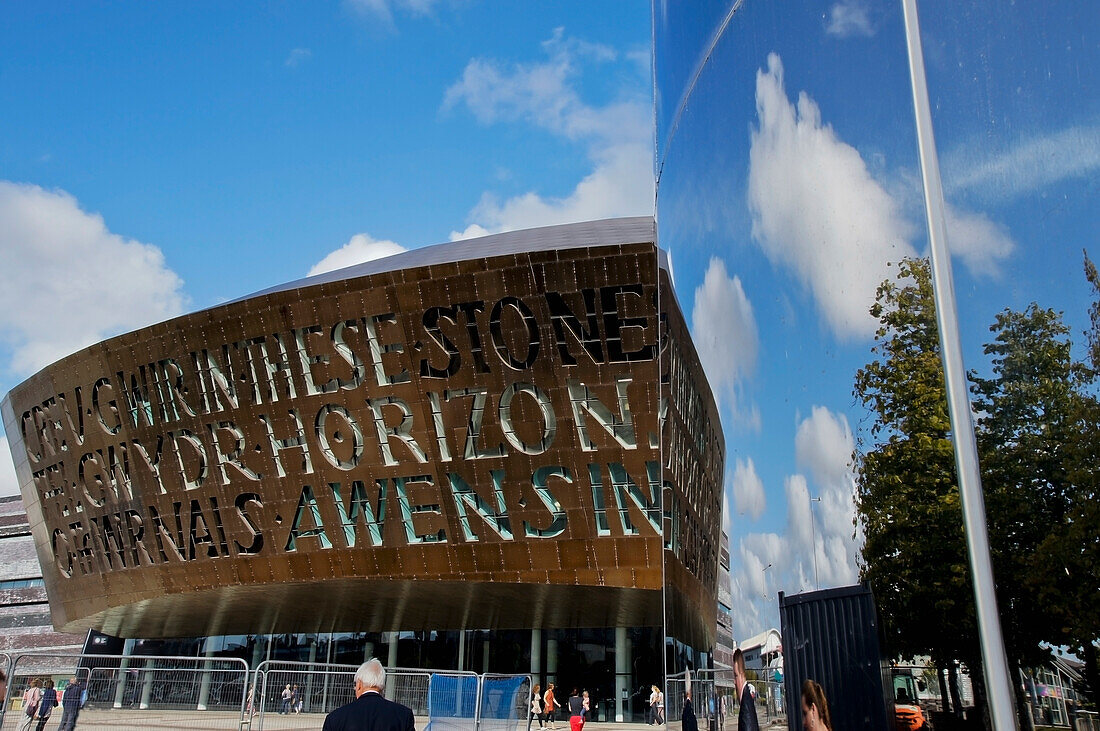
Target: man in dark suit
[[370, 711], [746, 716]]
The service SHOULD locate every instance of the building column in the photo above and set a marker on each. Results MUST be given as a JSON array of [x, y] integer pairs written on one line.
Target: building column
[[368, 651], [146, 689], [485, 656], [461, 650], [536, 654], [390, 663], [622, 675], [123, 665], [552, 662], [328, 661], [204, 684], [309, 677], [258, 651]]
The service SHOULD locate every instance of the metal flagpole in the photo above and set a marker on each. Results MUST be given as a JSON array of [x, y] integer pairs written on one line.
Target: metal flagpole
[[997, 680]]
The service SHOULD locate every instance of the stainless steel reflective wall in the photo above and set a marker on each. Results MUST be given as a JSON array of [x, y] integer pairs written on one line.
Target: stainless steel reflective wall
[[789, 189]]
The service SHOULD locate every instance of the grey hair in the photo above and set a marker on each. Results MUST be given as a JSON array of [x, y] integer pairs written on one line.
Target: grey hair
[[371, 674]]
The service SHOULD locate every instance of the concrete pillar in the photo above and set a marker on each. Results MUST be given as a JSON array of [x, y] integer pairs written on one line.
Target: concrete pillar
[[391, 662], [328, 661], [552, 662], [461, 650], [622, 675], [485, 657], [123, 666], [204, 684], [536, 654], [146, 689], [259, 650], [308, 690]]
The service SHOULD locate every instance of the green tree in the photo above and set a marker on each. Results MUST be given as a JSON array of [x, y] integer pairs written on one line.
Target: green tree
[[1028, 416], [914, 552], [1066, 569]]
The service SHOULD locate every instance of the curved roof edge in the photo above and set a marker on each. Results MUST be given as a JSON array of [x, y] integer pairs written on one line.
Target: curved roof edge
[[605, 232]]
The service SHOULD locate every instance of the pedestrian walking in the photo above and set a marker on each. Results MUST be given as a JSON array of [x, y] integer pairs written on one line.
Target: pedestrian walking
[[47, 704], [550, 705], [536, 704], [576, 711], [370, 711], [31, 698], [72, 700]]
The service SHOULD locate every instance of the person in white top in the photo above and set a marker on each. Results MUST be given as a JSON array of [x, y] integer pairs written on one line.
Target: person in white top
[[32, 696]]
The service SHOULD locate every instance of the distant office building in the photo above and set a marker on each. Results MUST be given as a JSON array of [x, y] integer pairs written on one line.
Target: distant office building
[[724, 642], [24, 608], [499, 454]]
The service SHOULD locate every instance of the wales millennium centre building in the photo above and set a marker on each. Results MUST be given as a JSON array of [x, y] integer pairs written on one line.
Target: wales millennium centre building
[[498, 454]]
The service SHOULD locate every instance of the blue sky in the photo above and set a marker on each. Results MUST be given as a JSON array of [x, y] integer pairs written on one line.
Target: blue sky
[[161, 158]]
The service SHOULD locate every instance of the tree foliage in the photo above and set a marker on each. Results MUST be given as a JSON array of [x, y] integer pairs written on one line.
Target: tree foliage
[[914, 552], [1038, 429]]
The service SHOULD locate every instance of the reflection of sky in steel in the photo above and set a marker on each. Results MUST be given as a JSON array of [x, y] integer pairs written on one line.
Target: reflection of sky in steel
[[793, 163]]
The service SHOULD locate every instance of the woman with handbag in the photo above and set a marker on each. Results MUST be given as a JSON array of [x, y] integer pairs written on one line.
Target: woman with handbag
[[32, 696]]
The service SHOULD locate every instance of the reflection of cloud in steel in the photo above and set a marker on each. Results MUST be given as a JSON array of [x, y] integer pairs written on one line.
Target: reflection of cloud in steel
[[816, 208], [725, 335], [848, 19], [1028, 165]]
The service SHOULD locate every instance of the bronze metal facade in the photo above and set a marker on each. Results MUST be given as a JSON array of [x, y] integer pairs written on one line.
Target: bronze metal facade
[[461, 436]]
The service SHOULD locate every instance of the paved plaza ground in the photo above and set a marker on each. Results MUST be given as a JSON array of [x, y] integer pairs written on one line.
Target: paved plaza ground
[[131, 719]]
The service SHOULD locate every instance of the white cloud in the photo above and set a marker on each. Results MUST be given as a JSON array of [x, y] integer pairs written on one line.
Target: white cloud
[[823, 446], [816, 208], [617, 136], [817, 547], [980, 243], [724, 331], [9, 483], [384, 10], [296, 57], [1029, 165], [848, 19], [748, 490], [69, 281], [800, 529], [359, 248]]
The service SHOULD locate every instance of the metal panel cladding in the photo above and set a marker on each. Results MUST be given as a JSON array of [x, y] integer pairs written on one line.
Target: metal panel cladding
[[465, 435]]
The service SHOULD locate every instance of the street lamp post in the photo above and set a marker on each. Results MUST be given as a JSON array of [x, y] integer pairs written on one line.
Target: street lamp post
[[765, 572], [813, 538]]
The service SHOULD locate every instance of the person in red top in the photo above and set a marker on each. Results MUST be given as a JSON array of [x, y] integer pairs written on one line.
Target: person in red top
[[549, 705]]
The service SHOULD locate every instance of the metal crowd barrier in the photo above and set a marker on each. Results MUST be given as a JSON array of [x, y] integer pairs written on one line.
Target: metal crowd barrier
[[138, 690], [143, 691], [448, 699], [5, 665]]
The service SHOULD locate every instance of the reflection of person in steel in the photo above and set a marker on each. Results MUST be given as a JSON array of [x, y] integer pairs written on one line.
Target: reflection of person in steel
[[815, 708], [687, 718], [746, 717], [370, 711]]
